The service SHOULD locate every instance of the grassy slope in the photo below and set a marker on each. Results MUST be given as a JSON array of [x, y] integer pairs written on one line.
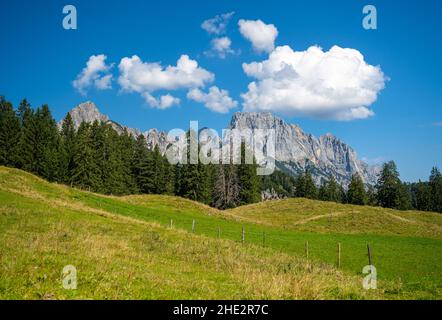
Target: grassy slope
[[123, 249]]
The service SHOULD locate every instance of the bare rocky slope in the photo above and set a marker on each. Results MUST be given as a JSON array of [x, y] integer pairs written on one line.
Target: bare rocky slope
[[296, 150]]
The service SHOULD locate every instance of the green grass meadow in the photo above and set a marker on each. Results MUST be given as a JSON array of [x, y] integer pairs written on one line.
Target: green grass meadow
[[126, 247]]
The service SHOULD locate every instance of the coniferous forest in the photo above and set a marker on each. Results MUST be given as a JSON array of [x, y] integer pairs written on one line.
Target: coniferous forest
[[96, 158]]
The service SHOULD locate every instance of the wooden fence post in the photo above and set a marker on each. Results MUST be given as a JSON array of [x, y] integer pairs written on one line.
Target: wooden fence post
[[369, 254], [339, 255], [306, 249], [243, 236], [171, 223], [219, 232], [193, 226]]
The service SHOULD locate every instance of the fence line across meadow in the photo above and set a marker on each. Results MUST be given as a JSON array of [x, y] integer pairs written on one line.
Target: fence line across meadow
[[263, 238]]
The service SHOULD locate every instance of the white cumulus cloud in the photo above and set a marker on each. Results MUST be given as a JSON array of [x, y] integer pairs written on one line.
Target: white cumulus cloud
[[335, 84], [163, 102], [217, 25], [222, 46], [261, 35], [216, 99], [96, 73], [148, 77]]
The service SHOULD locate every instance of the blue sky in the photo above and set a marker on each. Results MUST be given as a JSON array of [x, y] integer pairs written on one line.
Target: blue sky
[[40, 60]]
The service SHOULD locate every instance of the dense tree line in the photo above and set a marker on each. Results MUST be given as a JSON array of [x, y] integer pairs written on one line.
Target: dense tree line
[[95, 157], [389, 192]]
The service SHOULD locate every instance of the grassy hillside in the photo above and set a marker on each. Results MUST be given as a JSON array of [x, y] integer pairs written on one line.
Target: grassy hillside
[[301, 214], [124, 247]]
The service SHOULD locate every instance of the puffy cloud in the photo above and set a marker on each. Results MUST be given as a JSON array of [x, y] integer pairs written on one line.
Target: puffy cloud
[[221, 46], [217, 25], [164, 102], [261, 35], [103, 82], [216, 100], [96, 73], [148, 77], [336, 84], [139, 76]]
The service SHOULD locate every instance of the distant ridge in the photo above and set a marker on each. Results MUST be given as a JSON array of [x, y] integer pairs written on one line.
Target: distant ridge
[[296, 151]]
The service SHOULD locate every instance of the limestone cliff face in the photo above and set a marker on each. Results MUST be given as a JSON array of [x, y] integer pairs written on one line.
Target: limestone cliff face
[[296, 150]]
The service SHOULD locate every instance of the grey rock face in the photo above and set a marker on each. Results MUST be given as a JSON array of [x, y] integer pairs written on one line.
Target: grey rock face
[[296, 151]]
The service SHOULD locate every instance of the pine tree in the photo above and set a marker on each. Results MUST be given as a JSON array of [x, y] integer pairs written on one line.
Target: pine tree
[[344, 196], [404, 197], [305, 186], [435, 184], [86, 173], [47, 145], [226, 190], [190, 176], [28, 138], [282, 183], [110, 161], [389, 187], [356, 191], [249, 181], [329, 191], [143, 168], [9, 134], [67, 141], [127, 152], [371, 196]]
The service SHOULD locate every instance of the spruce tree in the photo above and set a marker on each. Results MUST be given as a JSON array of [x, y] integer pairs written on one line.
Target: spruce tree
[[435, 185], [356, 191], [329, 191], [47, 145], [371, 196], [86, 173], [9, 134], [226, 190], [389, 187], [67, 140], [28, 138], [190, 175], [143, 168], [127, 152], [305, 186], [111, 161], [249, 181]]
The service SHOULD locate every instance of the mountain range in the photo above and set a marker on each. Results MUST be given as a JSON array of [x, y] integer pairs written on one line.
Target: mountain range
[[296, 151]]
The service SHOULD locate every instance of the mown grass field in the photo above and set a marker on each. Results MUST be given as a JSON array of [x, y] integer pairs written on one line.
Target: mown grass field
[[124, 247]]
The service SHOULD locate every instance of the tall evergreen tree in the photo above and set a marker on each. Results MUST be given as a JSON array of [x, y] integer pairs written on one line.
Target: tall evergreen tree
[[372, 199], [68, 143], [329, 191], [435, 184], [143, 169], [86, 173], [226, 193], [249, 181], [28, 138], [193, 178], [305, 186], [389, 187], [356, 191], [9, 134], [127, 152]]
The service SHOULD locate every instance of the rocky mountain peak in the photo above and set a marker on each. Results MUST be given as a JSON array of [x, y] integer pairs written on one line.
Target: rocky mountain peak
[[296, 151], [87, 112]]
